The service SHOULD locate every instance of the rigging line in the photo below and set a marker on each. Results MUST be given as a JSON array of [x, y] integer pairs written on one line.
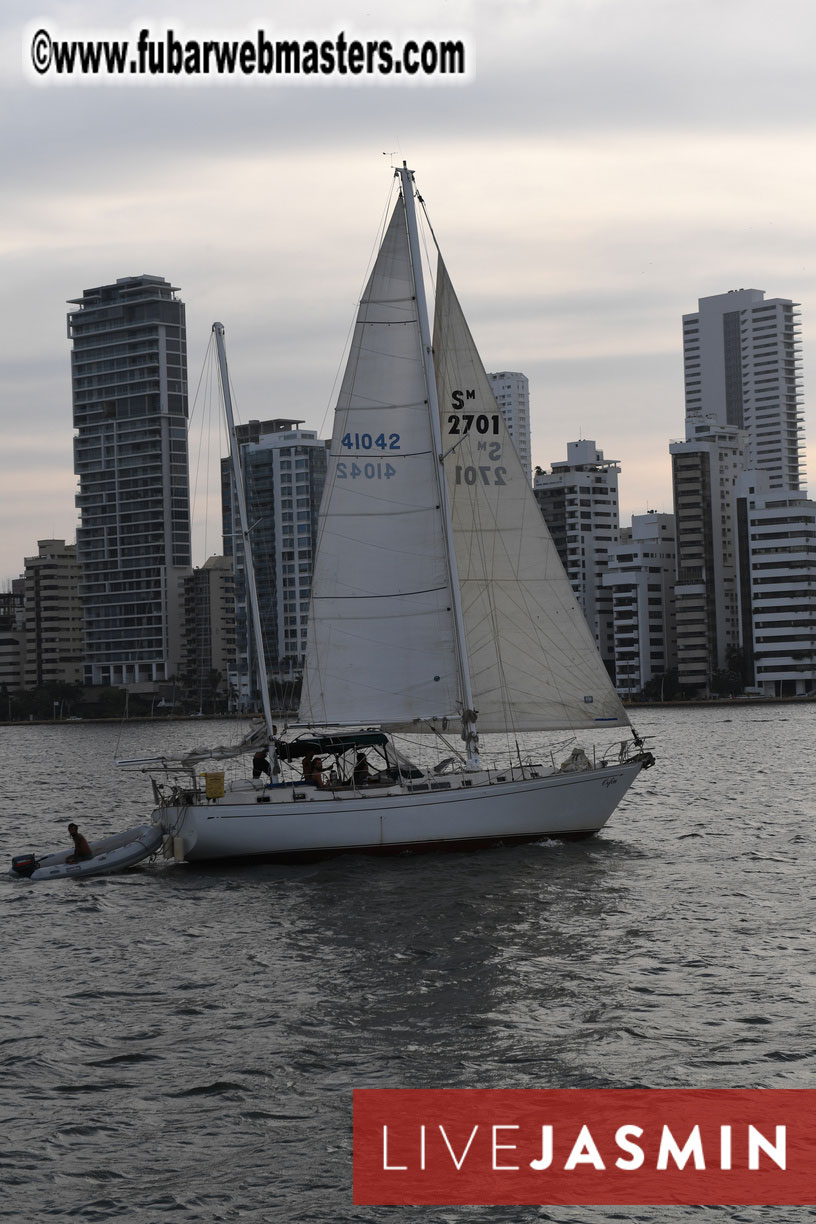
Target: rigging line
[[387, 595], [428, 222], [451, 449], [424, 238], [451, 747], [204, 367]]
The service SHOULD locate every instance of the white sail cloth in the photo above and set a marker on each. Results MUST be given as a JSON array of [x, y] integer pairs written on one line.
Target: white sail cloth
[[532, 659], [381, 638], [380, 646]]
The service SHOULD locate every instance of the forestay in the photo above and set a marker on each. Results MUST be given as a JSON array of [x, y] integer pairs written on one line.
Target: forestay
[[532, 659], [380, 643]]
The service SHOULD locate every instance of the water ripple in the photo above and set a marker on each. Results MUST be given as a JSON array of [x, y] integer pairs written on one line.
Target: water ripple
[[182, 1043]]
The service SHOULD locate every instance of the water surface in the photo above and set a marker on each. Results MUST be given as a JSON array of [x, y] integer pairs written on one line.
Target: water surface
[[181, 1043]]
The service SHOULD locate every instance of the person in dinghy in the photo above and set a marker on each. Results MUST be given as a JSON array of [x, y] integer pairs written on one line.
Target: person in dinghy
[[82, 850]]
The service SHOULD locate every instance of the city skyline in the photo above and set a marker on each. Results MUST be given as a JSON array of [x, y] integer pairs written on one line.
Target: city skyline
[[589, 188]]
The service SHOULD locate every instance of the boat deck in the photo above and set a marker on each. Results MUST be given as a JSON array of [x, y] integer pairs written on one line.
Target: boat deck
[[243, 791]]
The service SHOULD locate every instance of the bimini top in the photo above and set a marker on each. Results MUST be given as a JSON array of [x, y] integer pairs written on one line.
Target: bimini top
[[335, 743]]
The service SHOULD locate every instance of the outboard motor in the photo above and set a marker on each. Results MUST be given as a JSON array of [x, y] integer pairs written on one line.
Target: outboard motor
[[24, 865]]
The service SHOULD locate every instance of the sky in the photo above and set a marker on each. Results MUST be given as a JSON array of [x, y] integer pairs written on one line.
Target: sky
[[603, 165]]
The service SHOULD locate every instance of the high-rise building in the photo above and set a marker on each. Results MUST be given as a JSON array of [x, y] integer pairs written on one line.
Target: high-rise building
[[579, 501], [284, 473], [129, 374], [53, 616], [704, 473], [743, 369], [511, 392], [641, 574], [208, 638], [12, 639], [776, 532]]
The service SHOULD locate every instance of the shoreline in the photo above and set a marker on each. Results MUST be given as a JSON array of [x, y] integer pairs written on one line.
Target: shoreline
[[702, 704], [707, 702]]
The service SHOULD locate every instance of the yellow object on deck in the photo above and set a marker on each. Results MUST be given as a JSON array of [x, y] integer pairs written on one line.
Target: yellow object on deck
[[213, 785]]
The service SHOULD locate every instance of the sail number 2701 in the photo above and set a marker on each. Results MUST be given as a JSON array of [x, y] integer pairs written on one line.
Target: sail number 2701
[[487, 475], [482, 422]]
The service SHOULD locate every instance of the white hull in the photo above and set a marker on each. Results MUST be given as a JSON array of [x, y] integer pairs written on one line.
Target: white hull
[[289, 821]]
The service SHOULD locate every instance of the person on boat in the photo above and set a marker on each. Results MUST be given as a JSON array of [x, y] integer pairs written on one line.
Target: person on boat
[[362, 772], [260, 761], [312, 768], [260, 764], [82, 850]]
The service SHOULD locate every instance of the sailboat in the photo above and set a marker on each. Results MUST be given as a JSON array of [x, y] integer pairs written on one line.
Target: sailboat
[[439, 607]]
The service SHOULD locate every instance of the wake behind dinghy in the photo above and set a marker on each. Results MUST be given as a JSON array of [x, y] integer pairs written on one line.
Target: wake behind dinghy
[[111, 854]]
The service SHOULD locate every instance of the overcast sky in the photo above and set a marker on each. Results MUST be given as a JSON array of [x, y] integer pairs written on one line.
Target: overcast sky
[[605, 164]]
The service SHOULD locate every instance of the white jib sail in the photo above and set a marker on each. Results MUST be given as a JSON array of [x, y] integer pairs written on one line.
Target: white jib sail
[[532, 659], [380, 637]]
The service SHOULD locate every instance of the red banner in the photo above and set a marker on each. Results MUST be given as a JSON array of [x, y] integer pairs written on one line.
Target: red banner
[[646, 1146]]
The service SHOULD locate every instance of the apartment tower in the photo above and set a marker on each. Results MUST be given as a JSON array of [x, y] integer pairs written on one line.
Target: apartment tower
[[12, 640], [641, 575], [704, 473], [742, 368], [511, 392], [579, 501], [53, 616], [208, 636], [284, 474], [776, 534], [129, 376]]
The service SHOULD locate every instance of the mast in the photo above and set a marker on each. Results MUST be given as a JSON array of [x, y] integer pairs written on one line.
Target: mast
[[249, 567], [469, 732]]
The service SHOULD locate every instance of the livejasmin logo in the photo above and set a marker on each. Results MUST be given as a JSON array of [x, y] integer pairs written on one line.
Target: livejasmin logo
[[574, 1147], [584, 1151]]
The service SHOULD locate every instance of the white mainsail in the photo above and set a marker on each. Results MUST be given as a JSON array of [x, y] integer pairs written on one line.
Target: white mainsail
[[532, 660], [381, 644]]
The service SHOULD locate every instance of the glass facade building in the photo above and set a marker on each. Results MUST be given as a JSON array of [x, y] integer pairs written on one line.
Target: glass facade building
[[129, 380]]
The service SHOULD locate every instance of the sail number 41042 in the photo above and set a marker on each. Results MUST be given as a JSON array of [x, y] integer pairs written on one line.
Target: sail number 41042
[[367, 441], [366, 471]]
